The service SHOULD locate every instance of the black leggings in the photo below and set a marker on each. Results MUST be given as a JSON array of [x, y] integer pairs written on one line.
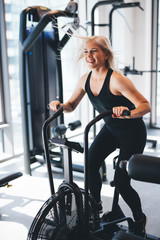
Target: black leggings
[[130, 140]]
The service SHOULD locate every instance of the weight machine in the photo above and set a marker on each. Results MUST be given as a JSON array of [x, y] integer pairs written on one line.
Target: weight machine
[[40, 72], [133, 71]]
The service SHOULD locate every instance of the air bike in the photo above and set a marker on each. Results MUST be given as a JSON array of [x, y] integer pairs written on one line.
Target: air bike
[[70, 212]]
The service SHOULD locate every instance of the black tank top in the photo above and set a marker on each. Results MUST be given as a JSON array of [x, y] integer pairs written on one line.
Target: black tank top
[[105, 100]]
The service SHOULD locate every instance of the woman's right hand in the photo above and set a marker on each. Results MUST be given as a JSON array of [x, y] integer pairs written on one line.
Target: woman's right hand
[[54, 105]]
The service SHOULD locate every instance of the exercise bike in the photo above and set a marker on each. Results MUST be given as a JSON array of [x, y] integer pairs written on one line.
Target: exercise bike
[[70, 212]]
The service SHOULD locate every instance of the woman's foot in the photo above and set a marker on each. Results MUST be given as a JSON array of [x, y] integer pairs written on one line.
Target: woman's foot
[[140, 226]]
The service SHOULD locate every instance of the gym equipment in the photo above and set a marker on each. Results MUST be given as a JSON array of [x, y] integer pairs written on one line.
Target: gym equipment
[[144, 168], [70, 213], [6, 178], [116, 4], [41, 71], [121, 235], [59, 131], [55, 152], [128, 70], [133, 71]]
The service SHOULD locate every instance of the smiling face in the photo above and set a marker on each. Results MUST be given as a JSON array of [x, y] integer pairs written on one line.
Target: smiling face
[[93, 55]]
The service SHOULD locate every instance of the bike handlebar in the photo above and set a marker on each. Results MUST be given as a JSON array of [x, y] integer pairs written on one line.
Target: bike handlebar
[[102, 115], [92, 122]]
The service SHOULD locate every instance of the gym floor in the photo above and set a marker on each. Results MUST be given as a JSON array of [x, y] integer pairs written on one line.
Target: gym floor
[[20, 203]]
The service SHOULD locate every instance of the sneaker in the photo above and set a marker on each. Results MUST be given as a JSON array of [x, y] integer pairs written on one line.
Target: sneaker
[[139, 228]]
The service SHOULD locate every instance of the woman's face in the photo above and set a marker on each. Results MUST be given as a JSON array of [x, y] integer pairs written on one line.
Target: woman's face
[[93, 55]]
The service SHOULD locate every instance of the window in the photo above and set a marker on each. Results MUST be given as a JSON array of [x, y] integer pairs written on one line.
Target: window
[[3, 76], [12, 19]]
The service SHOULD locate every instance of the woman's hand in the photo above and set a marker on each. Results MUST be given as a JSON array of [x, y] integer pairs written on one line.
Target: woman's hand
[[117, 112], [54, 105]]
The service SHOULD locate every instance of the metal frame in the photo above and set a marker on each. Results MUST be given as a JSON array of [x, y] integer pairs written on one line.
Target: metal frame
[[1, 92], [155, 13], [115, 7], [1, 73]]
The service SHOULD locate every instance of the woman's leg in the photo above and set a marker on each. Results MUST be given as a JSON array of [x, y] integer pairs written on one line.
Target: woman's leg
[[131, 197], [101, 147], [133, 141]]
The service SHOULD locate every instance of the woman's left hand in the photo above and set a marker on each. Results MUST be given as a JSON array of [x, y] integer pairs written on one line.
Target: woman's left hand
[[117, 112]]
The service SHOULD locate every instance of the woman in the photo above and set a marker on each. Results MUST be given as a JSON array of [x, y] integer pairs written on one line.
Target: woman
[[108, 89]]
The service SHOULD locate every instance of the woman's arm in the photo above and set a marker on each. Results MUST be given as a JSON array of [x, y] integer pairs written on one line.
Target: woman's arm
[[121, 85], [74, 100]]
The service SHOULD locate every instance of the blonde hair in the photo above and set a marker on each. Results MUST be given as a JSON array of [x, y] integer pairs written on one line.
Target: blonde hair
[[105, 46]]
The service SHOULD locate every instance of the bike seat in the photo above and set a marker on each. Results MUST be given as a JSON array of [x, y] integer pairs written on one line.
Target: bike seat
[[144, 168], [63, 142]]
